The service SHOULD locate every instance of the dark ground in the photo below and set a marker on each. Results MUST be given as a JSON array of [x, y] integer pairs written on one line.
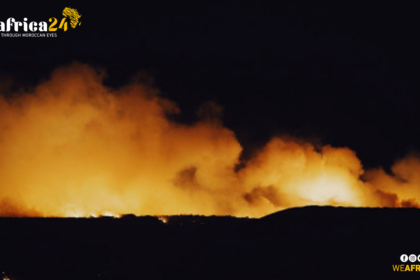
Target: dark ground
[[299, 243]]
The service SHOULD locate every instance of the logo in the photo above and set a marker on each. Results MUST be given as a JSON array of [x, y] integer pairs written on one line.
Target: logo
[[14, 28], [407, 267]]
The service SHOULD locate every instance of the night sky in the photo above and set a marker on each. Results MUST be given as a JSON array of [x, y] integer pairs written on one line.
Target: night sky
[[340, 75]]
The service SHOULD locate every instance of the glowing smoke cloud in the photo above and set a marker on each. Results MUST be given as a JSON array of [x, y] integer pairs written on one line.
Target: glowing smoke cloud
[[73, 147]]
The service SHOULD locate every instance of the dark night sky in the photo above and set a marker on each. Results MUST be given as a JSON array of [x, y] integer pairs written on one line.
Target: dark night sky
[[347, 75]]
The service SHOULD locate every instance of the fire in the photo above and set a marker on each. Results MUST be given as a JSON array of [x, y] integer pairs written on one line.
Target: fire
[[72, 147], [111, 215], [326, 189], [163, 219]]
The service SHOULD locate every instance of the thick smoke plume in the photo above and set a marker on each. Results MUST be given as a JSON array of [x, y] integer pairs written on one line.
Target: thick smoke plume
[[74, 147]]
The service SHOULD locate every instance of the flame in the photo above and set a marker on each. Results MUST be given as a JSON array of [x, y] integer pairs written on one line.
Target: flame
[[72, 147], [163, 219], [111, 215], [325, 188]]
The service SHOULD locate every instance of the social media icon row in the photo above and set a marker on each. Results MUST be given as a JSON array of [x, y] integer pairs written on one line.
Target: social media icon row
[[412, 258]]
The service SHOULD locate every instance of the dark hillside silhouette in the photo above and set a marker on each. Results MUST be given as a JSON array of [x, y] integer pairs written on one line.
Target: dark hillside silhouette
[[345, 243]]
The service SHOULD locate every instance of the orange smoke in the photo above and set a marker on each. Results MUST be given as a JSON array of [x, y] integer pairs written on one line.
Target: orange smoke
[[73, 147]]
